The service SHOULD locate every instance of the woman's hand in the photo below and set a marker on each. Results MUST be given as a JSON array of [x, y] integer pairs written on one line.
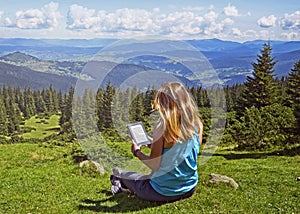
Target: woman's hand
[[152, 161], [134, 147]]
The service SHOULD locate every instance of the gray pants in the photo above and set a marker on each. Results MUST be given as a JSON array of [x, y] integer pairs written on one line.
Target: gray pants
[[140, 185]]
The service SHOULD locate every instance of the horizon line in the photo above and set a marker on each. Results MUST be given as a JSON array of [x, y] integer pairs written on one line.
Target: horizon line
[[158, 38]]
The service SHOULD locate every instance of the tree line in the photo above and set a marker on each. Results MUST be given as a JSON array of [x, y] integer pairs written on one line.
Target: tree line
[[263, 112], [17, 105]]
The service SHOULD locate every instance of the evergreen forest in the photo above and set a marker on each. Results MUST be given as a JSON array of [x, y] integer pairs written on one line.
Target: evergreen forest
[[262, 113]]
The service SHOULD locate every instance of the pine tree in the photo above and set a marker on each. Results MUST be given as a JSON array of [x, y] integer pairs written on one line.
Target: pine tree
[[3, 117], [119, 111], [104, 100], [261, 89], [40, 105], [99, 108], [88, 112], [147, 99], [55, 100], [282, 90], [136, 110], [60, 100], [13, 112], [107, 104], [66, 115], [29, 104], [293, 91], [14, 117], [49, 101], [202, 98], [66, 120], [229, 98], [293, 87]]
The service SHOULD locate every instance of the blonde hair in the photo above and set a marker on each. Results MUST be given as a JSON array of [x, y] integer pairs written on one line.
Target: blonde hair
[[178, 111]]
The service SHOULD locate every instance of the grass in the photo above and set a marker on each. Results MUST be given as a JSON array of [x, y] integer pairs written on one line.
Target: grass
[[41, 127], [42, 178]]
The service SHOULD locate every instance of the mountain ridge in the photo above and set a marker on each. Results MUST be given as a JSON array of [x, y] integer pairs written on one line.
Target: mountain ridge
[[66, 58], [22, 77]]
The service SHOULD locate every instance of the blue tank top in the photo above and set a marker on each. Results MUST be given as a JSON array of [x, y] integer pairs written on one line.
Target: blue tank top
[[177, 173]]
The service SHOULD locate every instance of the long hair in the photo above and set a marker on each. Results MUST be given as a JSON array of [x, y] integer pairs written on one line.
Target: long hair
[[178, 111]]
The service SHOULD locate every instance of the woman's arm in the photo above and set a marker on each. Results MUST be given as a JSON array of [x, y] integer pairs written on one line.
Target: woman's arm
[[152, 161], [200, 132]]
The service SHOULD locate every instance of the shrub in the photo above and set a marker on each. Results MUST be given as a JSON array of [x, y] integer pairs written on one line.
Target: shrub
[[16, 139], [3, 140], [263, 128]]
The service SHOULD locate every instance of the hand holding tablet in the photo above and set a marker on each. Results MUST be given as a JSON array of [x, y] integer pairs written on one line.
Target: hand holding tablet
[[138, 133]]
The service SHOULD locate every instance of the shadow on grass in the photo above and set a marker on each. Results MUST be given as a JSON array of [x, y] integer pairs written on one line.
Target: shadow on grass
[[256, 155], [123, 203]]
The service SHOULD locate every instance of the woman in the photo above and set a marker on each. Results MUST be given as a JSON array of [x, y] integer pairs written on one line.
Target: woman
[[175, 146]]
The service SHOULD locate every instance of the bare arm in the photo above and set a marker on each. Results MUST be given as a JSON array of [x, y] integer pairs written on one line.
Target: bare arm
[[152, 161], [201, 133]]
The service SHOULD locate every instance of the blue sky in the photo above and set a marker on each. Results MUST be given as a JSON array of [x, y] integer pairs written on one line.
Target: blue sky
[[177, 19]]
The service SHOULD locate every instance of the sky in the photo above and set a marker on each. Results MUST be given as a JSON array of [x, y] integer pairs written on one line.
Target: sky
[[235, 20]]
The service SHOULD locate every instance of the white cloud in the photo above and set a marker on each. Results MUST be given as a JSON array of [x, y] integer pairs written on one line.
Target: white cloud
[[51, 13], [228, 21], [156, 10], [8, 22], [265, 34], [252, 34], [1, 14], [236, 32], [291, 36], [214, 29], [142, 22], [124, 19], [46, 17], [211, 16], [230, 10], [80, 17], [179, 22], [267, 22], [32, 18], [291, 21]]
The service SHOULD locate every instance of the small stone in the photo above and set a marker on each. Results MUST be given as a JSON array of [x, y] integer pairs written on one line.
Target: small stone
[[216, 178], [88, 163]]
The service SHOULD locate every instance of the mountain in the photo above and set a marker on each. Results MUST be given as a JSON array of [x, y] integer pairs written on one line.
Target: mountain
[[20, 76], [57, 50], [22, 70], [213, 44], [18, 57], [232, 61], [63, 68], [57, 42]]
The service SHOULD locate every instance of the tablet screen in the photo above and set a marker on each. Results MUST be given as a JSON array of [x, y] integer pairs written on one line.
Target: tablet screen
[[138, 133]]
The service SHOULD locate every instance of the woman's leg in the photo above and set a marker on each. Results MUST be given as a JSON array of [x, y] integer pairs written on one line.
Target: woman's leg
[[129, 180], [140, 185]]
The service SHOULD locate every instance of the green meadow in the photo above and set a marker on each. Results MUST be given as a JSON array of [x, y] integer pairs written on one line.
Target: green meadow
[[41, 127], [43, 178]]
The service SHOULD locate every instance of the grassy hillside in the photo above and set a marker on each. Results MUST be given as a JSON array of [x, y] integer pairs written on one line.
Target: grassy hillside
[[42, 178], [41, 127], [24, 77]]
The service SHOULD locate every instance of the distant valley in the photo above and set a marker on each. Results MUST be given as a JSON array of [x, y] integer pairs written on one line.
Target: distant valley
[[39, 63]]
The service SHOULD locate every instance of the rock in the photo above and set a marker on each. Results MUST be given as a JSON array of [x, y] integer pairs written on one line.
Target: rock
[[92, 165], [216, 178]]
